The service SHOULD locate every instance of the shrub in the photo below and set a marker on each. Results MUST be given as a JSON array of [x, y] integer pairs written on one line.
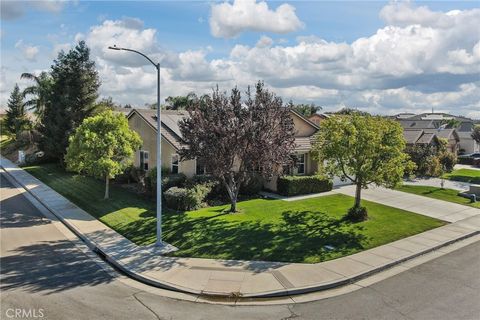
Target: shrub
[[433, 166], [127, 175], [216, 188], [168, 181], [295, 185], [357, 214], [252, 186], [183, 199], [448, 160]]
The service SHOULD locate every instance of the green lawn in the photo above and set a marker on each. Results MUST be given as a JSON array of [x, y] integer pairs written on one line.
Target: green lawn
[[438, 193], [464, 175], [5, 141], [272, 230]]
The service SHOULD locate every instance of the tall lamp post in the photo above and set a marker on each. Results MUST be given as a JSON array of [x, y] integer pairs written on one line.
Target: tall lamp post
[[159, 145]]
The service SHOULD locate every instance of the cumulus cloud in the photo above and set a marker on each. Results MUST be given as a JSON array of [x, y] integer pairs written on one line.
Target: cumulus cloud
[[29, 52], [413, 63], [229, 20], [12, 10], [264, 41], [401, 67]]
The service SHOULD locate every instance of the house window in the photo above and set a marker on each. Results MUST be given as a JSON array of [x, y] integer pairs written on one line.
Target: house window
[[200, 167], [175, 162], [144, 156], [301, 164]]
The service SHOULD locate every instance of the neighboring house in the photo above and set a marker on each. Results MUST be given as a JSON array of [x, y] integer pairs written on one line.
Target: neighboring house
[[459, 141], [144, 122], [431, 136]]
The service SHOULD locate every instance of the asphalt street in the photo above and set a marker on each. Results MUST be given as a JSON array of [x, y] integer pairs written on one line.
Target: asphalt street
[[47, 276]]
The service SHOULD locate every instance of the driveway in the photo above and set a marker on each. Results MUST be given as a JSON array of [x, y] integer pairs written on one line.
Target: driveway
[[434, 208]]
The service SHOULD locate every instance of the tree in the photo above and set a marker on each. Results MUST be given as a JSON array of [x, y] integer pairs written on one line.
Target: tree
[[72, 99], [39, 92], [102, 146], [364, 150], [239, 137], [351, 111], [180, 102], [476, 133], [306, 110], [16, 119]]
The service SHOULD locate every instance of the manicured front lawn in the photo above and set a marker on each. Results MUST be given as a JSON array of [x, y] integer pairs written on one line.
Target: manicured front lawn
[[438, 193], [464, 175], [272, 230]]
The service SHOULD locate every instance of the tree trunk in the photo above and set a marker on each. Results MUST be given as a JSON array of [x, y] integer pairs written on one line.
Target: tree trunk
[[233, 205], [358, 192], [107, 181]]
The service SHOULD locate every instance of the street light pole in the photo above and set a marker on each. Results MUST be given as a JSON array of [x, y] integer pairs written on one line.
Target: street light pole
[[159, 146]]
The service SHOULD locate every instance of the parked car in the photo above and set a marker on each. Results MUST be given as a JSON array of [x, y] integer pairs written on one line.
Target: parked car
[[471, 158]]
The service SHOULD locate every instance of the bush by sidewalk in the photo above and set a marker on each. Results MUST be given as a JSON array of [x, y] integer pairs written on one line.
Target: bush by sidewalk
[[296, 185]]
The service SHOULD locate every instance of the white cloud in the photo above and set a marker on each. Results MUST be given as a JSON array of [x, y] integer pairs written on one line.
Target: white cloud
[[12, 10], [29, 52], [229, 20], [264, 41], [407, 65]]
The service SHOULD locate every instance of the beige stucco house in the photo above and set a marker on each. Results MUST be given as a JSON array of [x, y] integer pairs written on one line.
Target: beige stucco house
[[144, 122]]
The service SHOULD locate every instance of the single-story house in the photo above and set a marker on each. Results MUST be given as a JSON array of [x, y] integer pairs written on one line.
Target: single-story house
[[144, 122]]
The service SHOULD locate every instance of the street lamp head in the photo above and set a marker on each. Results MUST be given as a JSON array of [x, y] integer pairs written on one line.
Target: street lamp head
[[114, 47]]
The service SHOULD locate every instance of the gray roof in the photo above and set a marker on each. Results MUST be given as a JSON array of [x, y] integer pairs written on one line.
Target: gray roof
[[170, 119], [412, 136], [416, 124], [444, 133]]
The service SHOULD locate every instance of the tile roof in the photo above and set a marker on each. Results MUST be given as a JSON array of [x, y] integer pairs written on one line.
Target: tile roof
[[170, 129]]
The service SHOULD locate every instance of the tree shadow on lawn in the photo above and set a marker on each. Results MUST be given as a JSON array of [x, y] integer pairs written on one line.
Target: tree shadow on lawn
[[298, 236]]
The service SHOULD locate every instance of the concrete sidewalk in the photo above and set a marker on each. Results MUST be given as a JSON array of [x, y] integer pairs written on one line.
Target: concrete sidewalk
[[238, 278]]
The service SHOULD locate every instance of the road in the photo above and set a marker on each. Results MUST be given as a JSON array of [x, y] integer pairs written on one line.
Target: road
[[43, 273]]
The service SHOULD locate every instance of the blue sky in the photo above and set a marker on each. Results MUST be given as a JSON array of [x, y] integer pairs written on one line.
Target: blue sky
[[348, 71]]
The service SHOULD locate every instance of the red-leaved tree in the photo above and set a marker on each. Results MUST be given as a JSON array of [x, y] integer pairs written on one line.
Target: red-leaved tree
[[237, 138]]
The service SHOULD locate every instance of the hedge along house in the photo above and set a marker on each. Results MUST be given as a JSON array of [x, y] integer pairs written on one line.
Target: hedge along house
[[144, 122]]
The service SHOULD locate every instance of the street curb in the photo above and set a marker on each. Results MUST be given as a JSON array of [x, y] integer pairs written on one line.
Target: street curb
[[268, 294]]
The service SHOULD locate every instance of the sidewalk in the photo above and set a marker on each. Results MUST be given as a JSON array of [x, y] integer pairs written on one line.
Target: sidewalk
[[238, 278]]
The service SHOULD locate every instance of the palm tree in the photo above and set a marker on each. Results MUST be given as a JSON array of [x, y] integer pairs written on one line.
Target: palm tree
[[180, 102], [39, 92]]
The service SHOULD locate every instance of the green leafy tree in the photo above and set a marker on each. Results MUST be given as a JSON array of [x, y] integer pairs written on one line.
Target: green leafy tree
[[72, 99], [16, 119], [364, 150], [476, 133], [305, 110], [102, 146], [351, 111], [180, 102], [38, 93]]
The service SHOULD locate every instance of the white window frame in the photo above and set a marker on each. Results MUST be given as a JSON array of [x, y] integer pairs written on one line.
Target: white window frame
[[172, 165], [304, 163], [146, 159]]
